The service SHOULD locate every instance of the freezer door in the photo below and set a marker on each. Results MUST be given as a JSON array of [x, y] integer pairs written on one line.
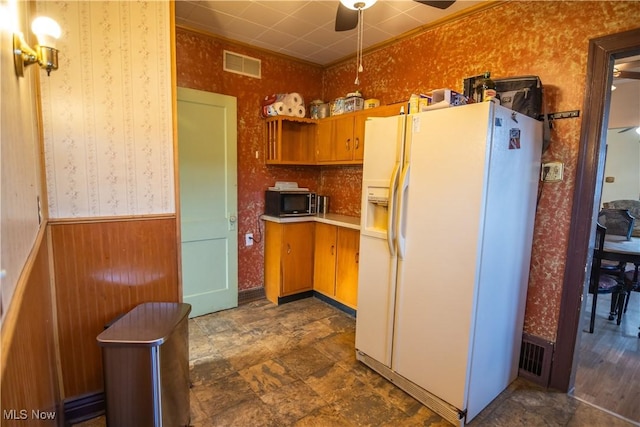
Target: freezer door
[[376, 299], [377, 266]]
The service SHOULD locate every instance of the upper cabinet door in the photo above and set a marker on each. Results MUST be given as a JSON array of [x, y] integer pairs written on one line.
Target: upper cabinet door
[[343, 138], [324, 141], [358, 137]]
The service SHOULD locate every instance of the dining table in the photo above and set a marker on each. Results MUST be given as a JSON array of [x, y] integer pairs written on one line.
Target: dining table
[[619, 248]]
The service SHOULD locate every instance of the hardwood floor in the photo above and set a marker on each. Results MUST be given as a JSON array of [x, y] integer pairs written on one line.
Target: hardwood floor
[[608, 373]]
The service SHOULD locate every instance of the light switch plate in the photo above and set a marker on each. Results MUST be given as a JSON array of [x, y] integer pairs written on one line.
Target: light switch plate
[[552, 172]]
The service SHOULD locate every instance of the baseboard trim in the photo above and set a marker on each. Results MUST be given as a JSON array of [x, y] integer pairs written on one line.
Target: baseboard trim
[[246, 296], [81, 408], [295, 297], [322, 297]]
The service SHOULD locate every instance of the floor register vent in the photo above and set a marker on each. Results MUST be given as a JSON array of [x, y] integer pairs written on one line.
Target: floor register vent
[[242, 64], [535, 359]]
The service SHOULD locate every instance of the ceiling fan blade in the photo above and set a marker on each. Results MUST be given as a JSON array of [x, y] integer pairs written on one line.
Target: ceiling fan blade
[[628, 75], [440, 4], [625, 66], [346, 19], [625, 130]]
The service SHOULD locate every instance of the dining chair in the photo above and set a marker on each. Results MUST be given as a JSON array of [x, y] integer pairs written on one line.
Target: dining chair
[[633, 206], [618, 222], [602, 283], [632, 283]]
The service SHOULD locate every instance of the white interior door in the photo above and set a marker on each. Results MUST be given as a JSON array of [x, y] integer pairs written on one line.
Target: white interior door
[[207, 139]]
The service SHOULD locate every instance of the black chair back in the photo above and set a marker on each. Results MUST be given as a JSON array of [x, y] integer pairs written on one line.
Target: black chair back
[[617, 221], [601, 283]]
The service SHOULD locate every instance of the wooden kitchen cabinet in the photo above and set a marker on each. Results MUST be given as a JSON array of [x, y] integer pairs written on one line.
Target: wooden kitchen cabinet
[[324, 140], [336, 263], [337, 140], [288, 259], [289, 140], [333, 140], [340, 139], [324, 278], [347, 266]]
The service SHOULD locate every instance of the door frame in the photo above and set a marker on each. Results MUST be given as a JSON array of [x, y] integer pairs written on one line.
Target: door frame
[[603, 52]]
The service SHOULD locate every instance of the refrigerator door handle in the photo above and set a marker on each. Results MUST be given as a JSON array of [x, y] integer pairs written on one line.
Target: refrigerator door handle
[[404, 186], [391, 206]]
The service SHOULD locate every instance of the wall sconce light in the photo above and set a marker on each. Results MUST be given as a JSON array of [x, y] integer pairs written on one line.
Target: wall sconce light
[[47, 31]]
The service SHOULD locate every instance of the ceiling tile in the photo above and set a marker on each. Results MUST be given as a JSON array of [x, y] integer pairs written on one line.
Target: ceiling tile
[[263, 15], [305, 29]]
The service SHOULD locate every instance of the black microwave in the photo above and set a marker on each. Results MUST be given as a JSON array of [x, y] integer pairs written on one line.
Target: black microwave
[[289, 203]]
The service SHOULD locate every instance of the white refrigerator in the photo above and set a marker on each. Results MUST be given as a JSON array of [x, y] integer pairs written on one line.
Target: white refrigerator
[[448, 206]]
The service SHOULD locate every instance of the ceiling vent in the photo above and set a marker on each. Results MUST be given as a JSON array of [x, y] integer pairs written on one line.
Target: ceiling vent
[[241, 64]]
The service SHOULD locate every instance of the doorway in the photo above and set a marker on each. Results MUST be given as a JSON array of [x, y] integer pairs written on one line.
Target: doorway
[[207, 139], [589, 174], [608, 358]]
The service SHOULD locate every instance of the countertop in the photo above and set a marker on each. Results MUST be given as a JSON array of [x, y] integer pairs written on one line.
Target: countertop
[[333, 219]]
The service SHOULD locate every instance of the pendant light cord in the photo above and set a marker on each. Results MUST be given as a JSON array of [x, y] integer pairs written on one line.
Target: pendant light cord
[[359, 67]]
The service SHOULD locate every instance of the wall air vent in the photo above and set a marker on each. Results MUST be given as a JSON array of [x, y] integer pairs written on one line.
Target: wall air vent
[[242, 64], [535, 359]]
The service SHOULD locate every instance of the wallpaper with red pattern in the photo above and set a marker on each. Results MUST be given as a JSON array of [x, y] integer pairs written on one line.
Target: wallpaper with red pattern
[[545, 38]]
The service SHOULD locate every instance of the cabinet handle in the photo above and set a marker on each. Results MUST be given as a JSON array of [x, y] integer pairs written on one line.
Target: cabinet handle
[[348, 144], [357, 257], [357, 143], [288, 249], [332, 249]]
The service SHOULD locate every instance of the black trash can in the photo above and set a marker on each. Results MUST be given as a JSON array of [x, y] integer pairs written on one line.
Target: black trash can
[[145, 357]]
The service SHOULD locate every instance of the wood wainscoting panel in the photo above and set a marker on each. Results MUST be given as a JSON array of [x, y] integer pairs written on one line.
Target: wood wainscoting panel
[[103, 269], [30, 387]]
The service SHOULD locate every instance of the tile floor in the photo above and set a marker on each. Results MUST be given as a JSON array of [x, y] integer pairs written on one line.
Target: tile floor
[[294, 365]]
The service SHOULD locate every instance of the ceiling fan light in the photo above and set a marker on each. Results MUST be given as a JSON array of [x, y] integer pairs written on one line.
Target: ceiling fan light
[[357, 4]]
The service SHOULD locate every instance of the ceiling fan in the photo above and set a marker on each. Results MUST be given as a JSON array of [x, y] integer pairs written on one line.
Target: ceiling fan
[[623, 71], [347, 16], [630, 128]]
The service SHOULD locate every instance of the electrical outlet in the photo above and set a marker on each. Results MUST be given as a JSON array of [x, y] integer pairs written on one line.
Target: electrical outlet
[[552, 172], [248, 239]]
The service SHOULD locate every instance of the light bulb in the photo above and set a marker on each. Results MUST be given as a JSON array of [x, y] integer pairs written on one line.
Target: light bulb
[[46, 30]]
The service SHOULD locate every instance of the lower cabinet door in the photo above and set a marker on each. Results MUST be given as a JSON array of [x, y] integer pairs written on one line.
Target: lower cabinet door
[[324, 276], [297, 258], [348, 243]]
